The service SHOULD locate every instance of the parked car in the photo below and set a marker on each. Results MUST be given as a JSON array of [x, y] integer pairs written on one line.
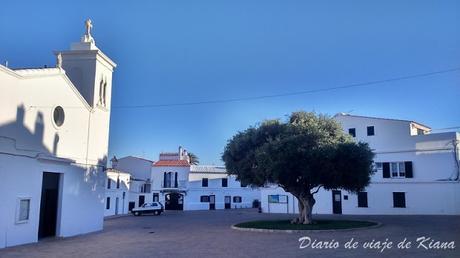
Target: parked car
[[155, 208]]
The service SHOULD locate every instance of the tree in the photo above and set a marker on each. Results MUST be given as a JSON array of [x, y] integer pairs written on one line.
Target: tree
[[301, 155], [193, 159]]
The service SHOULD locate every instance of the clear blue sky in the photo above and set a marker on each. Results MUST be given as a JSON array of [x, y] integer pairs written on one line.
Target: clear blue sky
[[185, 51]]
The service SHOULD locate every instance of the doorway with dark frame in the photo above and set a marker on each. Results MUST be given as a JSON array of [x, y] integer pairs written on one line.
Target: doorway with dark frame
[[141, 200], [336, 202], [212, 202], [49, 205], [131, 206], [174, 201], [228, 202]]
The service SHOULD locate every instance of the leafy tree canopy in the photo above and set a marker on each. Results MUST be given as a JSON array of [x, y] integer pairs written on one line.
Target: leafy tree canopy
[[306, 152]]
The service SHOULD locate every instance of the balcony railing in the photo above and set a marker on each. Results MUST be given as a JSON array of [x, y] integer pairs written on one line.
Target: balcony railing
[[180, 184]]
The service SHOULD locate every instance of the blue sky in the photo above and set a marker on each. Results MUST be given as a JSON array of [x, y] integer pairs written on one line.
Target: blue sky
[[186, 51]]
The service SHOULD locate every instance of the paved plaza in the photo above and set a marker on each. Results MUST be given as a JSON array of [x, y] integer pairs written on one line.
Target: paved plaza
[[209, 234]]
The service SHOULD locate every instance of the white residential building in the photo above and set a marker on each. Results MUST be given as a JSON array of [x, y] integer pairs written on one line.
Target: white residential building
[[54, 131], [138, 184], [117, 192], [181, 186], [417, 172]]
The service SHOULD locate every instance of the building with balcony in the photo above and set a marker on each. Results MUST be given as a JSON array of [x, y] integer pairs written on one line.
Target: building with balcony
[[416, 172], [182, 186]]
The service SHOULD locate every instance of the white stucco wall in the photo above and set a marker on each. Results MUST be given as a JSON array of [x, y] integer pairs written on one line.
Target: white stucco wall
[[31, 144], [196, 190], [113, 193], [80, 204], [158, 175], [138, 168], [431, 190], [440, 198]]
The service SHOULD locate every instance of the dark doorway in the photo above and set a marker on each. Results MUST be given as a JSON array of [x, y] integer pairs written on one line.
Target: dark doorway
[[212, 202], [174, 201], [336, 202], [116, 205], [228, 202], [49, 205], [141, 200], [131, 206]]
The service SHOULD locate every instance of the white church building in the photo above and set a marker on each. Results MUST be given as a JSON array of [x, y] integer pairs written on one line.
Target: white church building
[[54, 132], [416, 172]]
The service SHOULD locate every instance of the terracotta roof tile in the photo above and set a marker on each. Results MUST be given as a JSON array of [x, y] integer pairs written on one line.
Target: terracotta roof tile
[[172, 163]]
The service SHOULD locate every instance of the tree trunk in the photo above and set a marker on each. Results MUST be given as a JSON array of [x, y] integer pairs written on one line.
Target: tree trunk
[[306, 203]]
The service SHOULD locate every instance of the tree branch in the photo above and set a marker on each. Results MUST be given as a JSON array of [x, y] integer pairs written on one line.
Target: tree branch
[[317, 189]]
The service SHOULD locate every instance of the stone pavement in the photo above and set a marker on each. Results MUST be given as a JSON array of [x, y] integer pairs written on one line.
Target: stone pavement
[[208, 234]]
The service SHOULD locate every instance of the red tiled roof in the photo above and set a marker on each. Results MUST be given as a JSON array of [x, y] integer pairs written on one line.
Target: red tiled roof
[[172, 163]]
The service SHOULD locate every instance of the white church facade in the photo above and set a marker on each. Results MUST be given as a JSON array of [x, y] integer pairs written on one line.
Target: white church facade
[[416, 172], [54, 132]]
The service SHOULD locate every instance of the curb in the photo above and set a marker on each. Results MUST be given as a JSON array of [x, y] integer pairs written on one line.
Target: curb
[[117, 216], [291, 231]]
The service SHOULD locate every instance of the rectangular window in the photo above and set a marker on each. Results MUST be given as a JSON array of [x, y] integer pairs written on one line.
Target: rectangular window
[[370, 131], [277, 198], [399, 199], [273, 198], [352, 132], [109, 183], [107, 203], [118, 182], [23, 210], [204, 182], [224, 182], [204, 198], [236, 199], [145, 188], [402, 169], [394, 169], [397, 169], [362, 199]]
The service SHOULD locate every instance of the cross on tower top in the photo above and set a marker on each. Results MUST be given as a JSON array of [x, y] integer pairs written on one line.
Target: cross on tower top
[[87, 37]]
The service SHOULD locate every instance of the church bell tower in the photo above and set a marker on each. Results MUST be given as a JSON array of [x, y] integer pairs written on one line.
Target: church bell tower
[[89, 69]]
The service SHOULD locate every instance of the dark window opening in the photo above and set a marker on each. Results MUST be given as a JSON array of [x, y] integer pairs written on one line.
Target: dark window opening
[[204, 198], [107, 203], [204, 182], [118, 182], [362, 199], [109, 183], [352, 132], [399, 199], [236, 199], [370, 131], [224, 182]]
